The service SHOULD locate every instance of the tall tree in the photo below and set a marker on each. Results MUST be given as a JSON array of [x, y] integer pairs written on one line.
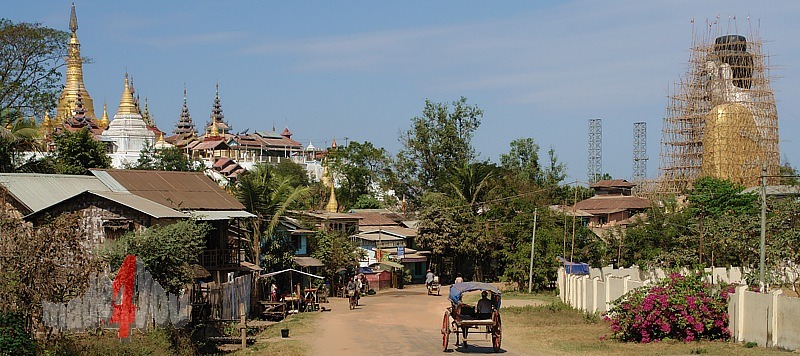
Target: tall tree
[[439, 139], [523, 159], [31, 56], [77, 152], [360, 169]]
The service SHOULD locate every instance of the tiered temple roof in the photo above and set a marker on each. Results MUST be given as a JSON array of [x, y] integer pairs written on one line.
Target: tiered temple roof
[[218, 117]]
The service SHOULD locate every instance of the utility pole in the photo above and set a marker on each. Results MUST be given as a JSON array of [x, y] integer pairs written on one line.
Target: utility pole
[[762, 285], [533, 242], [701, 235], [574, 213]]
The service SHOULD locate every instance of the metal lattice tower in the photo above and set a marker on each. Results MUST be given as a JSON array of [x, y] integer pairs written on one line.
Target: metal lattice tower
[[639, 151], [595, 167]]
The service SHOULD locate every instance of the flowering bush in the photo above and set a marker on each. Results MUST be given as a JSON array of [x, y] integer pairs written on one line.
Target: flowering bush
[[679, 307]]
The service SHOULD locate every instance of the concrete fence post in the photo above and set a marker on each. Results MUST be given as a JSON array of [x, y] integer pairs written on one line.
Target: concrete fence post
[[608, 291], [625, 280], [595, 280], [583, 295], [773, 329], [740, 311]]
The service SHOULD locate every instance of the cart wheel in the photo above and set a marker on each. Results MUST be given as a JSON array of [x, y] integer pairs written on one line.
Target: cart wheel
[[445, 331], [497, 332]]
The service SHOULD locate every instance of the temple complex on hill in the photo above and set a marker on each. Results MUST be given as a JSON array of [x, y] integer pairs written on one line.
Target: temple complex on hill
[[132, 129]]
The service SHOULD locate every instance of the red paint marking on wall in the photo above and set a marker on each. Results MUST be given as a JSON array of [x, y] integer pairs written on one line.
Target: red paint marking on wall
[[124, 313]]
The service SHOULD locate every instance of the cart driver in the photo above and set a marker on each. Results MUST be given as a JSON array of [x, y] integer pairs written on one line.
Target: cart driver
[[484, 307]]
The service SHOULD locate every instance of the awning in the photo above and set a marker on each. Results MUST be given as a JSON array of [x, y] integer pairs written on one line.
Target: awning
[[249, 266], [391, 264], [271, 274], [208, 215], [308, 262], [414, 258]]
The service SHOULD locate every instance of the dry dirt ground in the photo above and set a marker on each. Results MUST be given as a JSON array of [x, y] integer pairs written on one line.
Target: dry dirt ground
[[398, 322]]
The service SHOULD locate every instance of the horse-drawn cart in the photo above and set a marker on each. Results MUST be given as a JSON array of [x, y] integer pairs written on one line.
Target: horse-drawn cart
[[462, 319]]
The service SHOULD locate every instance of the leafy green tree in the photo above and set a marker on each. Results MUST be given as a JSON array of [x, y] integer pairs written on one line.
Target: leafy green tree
[[714, 197], [440, 138], [367, 202], [167, 159], [167, 251], [336, 251], [78, 151], [360, 169], [523, 160], [297, 175], [31, 56]]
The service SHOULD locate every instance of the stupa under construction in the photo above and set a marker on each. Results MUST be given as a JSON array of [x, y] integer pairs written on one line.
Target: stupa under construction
[[721, 120]]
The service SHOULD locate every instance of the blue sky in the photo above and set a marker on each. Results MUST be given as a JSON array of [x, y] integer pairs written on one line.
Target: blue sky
[[360, 70]]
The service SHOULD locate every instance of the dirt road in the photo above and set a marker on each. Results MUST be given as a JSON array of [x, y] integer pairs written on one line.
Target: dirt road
[[397, 322]]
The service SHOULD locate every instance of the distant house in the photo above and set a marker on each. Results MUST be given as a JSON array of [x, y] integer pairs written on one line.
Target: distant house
[[111, 203], [301, 238], [384, 236], [327, 221], [612, 203]]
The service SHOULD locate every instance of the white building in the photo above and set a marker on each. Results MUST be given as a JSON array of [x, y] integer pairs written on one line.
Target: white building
[[128, 131]]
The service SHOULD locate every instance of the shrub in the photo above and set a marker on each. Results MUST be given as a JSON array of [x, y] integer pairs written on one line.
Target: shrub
[[679, 307], [14, 338]]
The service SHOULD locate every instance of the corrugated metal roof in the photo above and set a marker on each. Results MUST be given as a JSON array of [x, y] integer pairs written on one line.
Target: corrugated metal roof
[[112, 184], [604, 203], [207, 215], [39, 191], [143, 205], [177, 190]]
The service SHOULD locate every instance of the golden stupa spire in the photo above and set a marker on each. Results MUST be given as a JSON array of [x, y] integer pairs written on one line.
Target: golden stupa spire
[[45, 127], [333, 205], [161, 137], [104, 120], [214, 129], [74, 78], [126, 105]]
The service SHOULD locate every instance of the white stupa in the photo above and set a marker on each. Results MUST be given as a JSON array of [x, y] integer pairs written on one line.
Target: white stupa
[[128, 131]]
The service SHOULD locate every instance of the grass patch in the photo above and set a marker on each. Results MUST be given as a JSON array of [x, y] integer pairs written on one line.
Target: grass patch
[[560, 330], [269, 341], [159, 341]]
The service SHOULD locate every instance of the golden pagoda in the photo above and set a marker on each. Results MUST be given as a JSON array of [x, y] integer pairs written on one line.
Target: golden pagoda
[[104, 121], [74, 80], [46, 128], [327, 180]]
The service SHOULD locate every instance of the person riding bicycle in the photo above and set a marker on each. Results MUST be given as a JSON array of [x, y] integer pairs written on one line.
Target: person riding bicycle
[[429, 279], [352, 289]]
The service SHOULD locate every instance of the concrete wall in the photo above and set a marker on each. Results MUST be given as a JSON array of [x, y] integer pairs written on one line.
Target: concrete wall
[[94, 309], [768, 319]]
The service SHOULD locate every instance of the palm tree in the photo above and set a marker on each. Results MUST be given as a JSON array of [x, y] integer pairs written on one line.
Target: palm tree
[[470, 181], [269, 197], [16, 137]]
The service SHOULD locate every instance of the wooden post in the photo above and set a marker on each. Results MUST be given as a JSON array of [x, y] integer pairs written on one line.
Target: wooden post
[[243, 327]]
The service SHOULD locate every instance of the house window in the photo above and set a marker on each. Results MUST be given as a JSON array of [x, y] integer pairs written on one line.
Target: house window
[[418, 268], [301, 246]]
